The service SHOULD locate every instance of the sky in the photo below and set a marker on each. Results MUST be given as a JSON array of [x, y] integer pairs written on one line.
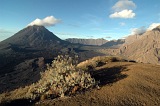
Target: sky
[[108, 19]]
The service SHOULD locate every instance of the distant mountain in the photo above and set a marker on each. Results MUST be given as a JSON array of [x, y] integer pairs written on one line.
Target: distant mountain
[[145, 49], [114, 43], [96, 42], [31, 42], [33, 36]]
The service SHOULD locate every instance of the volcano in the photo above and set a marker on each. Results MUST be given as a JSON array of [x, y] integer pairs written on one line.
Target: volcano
[[33, 36], [30, 42]]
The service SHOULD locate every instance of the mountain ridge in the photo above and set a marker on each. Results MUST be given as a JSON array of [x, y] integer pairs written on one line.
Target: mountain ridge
[[145, 49]]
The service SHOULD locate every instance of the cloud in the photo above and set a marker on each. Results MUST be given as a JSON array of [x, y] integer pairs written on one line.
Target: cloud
[[140, 30], [48, 21], [123, 14], [124, 4], [123, 9], [152, 26]]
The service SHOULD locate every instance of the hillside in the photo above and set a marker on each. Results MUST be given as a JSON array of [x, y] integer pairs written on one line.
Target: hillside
[[121, 83], [29, 43], [145, 49], [132, 38], [114, 43]]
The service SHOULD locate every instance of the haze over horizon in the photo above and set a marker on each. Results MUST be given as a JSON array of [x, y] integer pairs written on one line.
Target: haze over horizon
[[108, 19]]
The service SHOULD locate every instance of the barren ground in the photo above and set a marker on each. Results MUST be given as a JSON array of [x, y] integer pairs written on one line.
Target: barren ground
[[121, 84], [138, 84]]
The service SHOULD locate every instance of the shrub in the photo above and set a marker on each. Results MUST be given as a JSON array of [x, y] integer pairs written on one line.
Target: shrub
[[61, 78], [97, 62]]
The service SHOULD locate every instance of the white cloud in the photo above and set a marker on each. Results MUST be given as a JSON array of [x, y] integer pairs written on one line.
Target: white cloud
[[140, 30], [48, 21], [123, 14], [123, 9], [152, 26], [124, 4]]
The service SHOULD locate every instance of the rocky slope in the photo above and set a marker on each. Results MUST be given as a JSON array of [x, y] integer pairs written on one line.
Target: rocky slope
[[145, 49], [132, 38], [114, 43]]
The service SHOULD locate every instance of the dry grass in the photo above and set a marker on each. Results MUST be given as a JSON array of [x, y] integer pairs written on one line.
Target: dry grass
[[141, 87], [98, 61], [122, 83]]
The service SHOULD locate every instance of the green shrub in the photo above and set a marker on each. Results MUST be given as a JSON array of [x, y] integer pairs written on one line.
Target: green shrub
[[61, 78]]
